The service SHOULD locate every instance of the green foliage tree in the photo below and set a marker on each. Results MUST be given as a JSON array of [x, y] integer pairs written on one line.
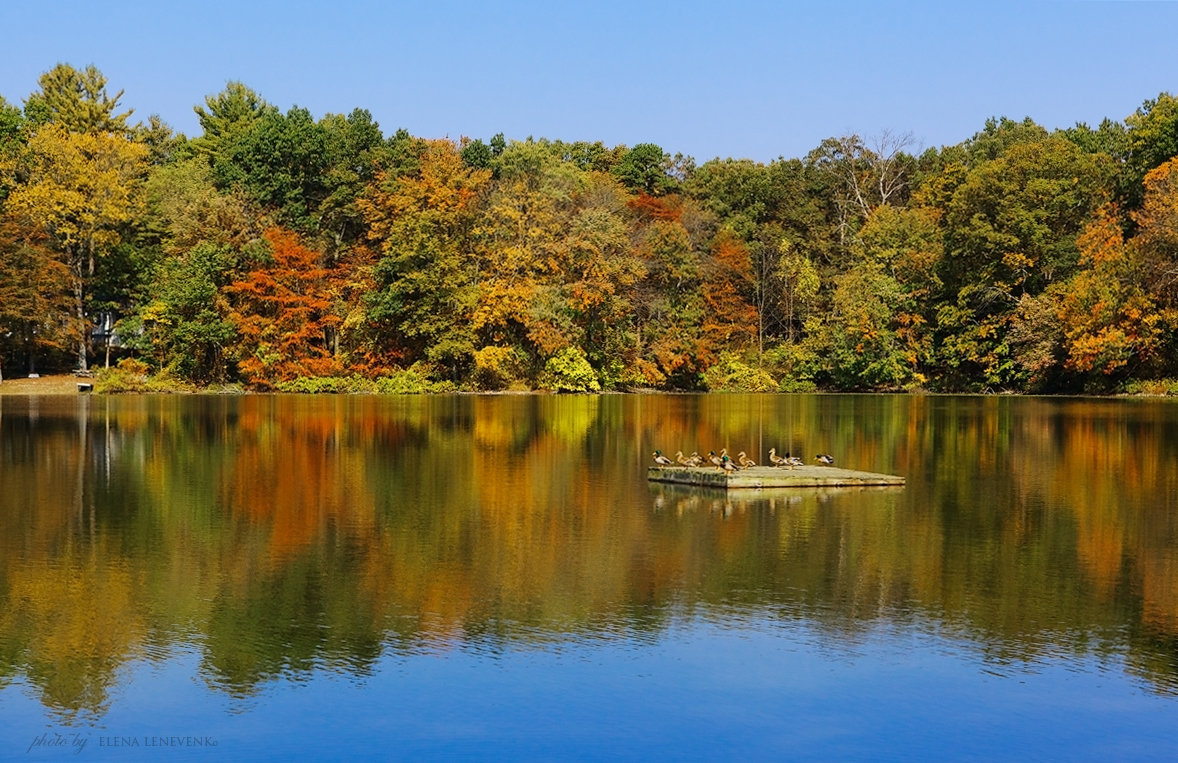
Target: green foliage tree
[[600, 271], [183, 208], [799, 289], [424, 289], [1152, 138], [1010, 230], [1111, 138], [644, 168], [741, 193], [998, 137], [76, 101], [477, 155], [232, 111], [11, 141], [185, 325], [280, 162], [163, 145], [356, 152], [907, 245], [11, 122], [591, 156], [859, 340]]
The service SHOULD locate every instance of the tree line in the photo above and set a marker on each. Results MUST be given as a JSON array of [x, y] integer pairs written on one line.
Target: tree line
[[280, 251]]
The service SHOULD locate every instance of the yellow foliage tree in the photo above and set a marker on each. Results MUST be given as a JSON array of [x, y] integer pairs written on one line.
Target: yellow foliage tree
[[1108, 319], [420, 224], [1157, 232], [518, 250], [80, 188]]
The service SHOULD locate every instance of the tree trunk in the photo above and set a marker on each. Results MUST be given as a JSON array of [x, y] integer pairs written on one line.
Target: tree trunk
[[80, 310], [30, 347]]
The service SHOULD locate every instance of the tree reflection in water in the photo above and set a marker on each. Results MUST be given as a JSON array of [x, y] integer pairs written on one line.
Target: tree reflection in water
[[280, 535]]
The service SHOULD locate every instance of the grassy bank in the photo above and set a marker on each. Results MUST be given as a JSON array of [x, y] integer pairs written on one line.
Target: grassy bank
[[57, 384]]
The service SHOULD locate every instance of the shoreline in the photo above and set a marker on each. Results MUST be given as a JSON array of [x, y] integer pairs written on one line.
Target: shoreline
[[51, 384], [67, 384]]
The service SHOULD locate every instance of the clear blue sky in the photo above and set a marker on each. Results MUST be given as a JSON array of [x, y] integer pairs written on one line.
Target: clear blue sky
[[741, 78]]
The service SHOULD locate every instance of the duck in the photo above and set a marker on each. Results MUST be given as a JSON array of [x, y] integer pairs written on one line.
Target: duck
[[696, 459], [728, 465], [717, 460], [792, 461], [662, 460], [824, 458], [775, 459], [744, 460], [681, 459]]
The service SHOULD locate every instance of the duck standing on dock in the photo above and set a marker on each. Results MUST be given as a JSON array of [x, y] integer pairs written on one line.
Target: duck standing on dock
[[775, 459], [792, 461], [662, 460], [825, 458], [744, 461], [728, 465], [716, 460]]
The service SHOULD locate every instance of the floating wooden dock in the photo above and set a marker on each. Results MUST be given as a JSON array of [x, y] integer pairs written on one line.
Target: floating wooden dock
[[769, 477]]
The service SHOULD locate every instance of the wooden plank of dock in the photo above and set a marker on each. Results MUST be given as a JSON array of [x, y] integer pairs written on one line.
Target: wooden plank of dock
[[769, 476]]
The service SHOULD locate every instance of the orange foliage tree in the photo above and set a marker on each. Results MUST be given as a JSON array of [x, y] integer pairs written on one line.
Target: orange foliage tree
[[650, 207], [1108, 318], [282, 311], [730, 321], [36, 301]]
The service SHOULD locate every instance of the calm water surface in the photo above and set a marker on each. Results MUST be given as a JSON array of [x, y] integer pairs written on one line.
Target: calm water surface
[[255, 577]]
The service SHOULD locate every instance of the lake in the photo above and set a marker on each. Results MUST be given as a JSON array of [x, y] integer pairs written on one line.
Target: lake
[[492, 577]]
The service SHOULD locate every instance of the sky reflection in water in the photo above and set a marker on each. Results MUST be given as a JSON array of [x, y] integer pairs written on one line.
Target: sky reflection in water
[[758, 690]]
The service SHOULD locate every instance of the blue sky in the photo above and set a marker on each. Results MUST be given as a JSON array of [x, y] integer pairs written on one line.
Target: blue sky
[[740, 78]]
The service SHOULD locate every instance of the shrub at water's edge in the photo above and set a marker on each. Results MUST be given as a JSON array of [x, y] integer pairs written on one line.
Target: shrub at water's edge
[[132, 376], [569, 371], [1152, 387], [407, 382], [732, 375]]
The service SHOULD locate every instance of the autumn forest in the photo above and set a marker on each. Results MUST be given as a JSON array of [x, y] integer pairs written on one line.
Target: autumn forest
[[280, 251]]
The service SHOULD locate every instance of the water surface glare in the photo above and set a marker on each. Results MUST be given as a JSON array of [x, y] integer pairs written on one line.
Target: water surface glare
[[493, 577]]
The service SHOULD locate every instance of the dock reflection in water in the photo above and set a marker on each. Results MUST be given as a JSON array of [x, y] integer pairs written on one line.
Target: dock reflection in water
[[682, 499]]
